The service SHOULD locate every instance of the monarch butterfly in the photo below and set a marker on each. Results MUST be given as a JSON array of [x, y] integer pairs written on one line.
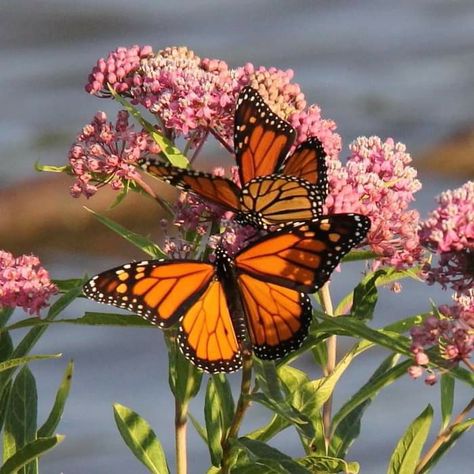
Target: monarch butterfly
[[257, 297], [261, 140]]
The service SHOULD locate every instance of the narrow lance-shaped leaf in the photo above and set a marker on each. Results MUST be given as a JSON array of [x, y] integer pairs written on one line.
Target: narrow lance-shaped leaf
[[20, 423], [12, 363], [329, 465], [263, 455], [407, 452], [447, 399], [214, 429], [58, 408], [144, 244], [365, 297], [141, 439], [30, 452], [5, 314]]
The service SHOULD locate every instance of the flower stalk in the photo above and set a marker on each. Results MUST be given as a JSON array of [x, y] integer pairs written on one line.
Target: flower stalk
[[331, 347]]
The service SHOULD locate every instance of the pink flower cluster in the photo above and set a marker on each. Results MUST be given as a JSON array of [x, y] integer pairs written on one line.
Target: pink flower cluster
[[378, 182], [192, 96], [117, 70], [107, 153], [24, 283], [449, 232], [451, 332]]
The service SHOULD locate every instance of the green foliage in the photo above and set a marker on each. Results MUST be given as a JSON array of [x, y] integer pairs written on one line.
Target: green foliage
[[407, 452], [446, 386], [141, 439]]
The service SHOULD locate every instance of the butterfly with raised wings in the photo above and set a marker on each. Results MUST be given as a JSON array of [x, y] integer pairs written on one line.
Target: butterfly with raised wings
[[275, 191], [259, 297]]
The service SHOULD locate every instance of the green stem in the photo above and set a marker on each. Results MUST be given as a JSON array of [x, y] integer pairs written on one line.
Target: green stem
[[242, 405], [331, 347]]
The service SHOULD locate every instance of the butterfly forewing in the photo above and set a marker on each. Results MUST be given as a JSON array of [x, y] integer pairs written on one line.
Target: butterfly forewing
[[206, 334], [261, 138], [278, 317], [216, 189], [302, 258], [308, 162], [157, 290]]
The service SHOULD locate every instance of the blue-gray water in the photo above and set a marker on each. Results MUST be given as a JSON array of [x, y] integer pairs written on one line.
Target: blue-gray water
[[403, 69]]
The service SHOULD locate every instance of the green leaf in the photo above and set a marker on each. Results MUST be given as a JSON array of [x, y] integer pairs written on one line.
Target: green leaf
[[5, 314], [226, 400], [447, 399], [407, 452], [456, 432], [28, 453], [89, 319], [27, 343], [172, 154], [309, 343], [267, 379], [20, 422], [214, 429], [365, 297], [141, 439], [320, 354], [357, 255], [58, 408], [12, 363], [198, 427], [368, 390], [144, 244], [52, 169], [291, 415], [184, 378], [261, 454], [348, 428], [386, 276], [4, 400], [328, 464], [6, 346], [69, 284]]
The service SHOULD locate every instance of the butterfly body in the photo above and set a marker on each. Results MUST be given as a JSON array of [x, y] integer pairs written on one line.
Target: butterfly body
[[257, 298]]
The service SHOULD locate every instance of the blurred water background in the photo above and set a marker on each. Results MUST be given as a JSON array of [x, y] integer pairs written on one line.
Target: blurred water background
[[402, 69]]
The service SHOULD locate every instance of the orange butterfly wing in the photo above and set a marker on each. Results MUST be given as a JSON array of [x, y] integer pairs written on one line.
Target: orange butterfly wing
[[159, 291], [302, 258], [261, 138], [277, 200], [309, 162], [278, 318], [216, 189], [206, 334]]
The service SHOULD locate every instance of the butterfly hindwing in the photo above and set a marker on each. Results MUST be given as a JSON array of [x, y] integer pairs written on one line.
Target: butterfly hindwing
[[303, 258], [207, 336], [261, 138], [277, 200], [308, 162], [216, 189], [160, 291], [278, 317]]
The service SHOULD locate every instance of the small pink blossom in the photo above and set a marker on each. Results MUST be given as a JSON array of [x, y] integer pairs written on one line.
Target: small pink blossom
[[450, 331], [24, 283], [449, 233], [117, 70], [378, 182], [108, 153]]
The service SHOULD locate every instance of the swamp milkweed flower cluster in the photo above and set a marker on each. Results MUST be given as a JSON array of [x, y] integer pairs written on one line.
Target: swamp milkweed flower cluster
[[24, 283], [107, 153], [378, 181], [449, 233]]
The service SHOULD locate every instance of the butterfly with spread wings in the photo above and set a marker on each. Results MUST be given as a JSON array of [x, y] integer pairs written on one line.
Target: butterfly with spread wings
[[257, 297], [275, 191]]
